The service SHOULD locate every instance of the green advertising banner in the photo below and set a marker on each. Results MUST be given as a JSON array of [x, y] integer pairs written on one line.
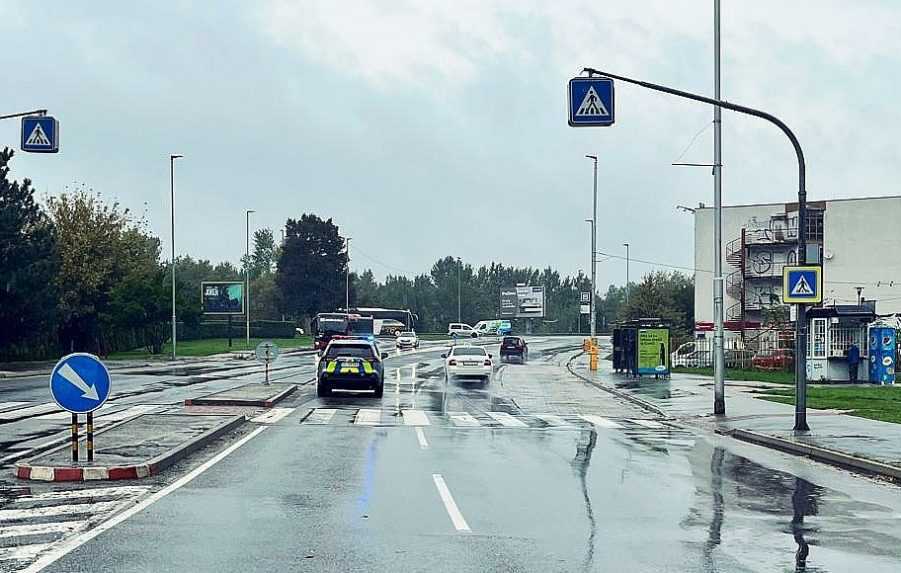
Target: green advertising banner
[[653, 351]]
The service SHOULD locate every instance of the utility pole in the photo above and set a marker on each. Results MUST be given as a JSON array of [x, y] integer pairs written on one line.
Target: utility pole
[[627, 273], [247, 277], [594, 250], [459, 290], [347, 278], [801, 322], [719, 352], [172, 159]]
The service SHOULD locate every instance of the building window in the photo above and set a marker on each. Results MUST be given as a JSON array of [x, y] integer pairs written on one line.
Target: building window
[[815, 225], [817, 348]]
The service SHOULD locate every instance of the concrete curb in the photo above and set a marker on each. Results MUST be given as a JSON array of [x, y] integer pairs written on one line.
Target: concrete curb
[[817, 453], [266, 403], [618, 393], [151, 467]]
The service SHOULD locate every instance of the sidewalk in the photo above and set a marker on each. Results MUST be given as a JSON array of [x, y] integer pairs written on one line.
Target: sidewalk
[[835, 437]]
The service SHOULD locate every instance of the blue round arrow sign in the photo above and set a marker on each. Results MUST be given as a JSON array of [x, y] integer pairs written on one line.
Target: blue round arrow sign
[[79, 383]]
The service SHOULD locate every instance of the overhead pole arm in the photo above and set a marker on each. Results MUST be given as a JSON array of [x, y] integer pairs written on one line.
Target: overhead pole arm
[[801, 322]]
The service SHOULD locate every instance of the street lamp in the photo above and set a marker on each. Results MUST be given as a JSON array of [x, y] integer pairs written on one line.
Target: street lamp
[[594, 236], [247, 276], [347, 277], [459, 290], [172, 159], [627, 272]]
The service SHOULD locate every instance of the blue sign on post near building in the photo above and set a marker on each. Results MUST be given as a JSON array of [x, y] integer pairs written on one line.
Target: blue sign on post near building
[[40, 134], [591, 102], [802, 284], [79, 383]]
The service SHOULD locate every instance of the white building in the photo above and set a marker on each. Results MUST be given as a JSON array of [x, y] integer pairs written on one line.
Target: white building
[[859, 243]]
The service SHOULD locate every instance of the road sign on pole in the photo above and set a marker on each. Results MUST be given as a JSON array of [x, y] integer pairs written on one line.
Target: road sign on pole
[[591, 102], [80, 383], [802, 284], [40, 134], [266, 352]]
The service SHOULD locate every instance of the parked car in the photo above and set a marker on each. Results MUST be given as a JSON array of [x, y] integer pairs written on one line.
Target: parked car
[[351, 364], [514, 347], [493, 327], [779, 359], [407, 340], [468, 362], [461, 330], [692, 355]]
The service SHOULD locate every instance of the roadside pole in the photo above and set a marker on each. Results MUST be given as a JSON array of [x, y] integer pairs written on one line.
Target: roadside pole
[[247, 277], [594, 250], [800, 324], [719, 353], [172, 159]]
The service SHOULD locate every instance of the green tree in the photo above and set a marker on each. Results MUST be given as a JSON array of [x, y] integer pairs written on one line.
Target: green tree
[[666, 295], [28, 258], [311, 267]]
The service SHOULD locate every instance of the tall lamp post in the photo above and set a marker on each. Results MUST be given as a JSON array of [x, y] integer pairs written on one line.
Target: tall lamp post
[[347, 277], [594, 237], [172, 159], [459, 290], [627, 273], [247, 277]]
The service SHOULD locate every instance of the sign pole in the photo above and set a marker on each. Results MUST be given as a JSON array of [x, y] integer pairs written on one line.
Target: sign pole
[[90, 438], [74, 437]]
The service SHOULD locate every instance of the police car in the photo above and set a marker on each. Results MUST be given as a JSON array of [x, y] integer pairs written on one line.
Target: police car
[[351, 364]]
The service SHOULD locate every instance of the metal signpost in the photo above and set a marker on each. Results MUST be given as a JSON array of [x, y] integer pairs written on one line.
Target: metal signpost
[[40, 134], [267, 352], [801, 285], [80, 383]]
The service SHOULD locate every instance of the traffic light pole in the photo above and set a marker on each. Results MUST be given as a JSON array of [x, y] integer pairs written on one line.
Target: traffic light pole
[[801, 322]]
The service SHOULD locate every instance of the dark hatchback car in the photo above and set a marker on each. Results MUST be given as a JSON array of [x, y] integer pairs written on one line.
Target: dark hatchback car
[[514, 347], [351, 365]]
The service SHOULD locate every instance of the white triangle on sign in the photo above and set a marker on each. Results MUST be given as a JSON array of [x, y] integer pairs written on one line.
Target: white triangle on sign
[[592, 105], [802, 288], [37, 137]]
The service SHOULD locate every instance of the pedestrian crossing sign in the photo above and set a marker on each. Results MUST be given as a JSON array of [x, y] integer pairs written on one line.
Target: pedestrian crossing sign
[[591, 102], [40, 134], [802, 284]]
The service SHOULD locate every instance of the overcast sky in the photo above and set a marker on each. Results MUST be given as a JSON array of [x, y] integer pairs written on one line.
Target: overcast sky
[[427, 129]]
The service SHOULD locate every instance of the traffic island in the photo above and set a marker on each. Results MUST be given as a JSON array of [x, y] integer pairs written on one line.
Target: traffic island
[[253, 394], [139, 448]]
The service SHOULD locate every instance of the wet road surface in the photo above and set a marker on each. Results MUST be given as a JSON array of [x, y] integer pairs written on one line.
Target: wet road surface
[[536, 471]]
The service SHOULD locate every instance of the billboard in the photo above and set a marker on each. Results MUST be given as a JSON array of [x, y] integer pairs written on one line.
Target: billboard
[[222, 297], [522, 302], [653, 351]]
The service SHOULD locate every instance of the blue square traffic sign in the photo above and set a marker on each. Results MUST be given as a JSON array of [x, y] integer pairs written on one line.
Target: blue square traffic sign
[[40, 134], [591, 102], [802, 285]]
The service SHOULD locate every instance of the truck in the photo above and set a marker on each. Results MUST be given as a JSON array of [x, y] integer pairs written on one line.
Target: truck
[[493, 327]]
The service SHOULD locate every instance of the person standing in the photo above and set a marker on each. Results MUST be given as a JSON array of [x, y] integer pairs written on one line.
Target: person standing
[[853, 362]]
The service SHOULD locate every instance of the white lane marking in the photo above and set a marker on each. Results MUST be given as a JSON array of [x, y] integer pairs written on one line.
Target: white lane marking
[[320, 416], [420, 436], [82, 493], [41, 528], [8, 405], [507, 420], [464, 419], [599, 421], [130, 412], [647, 423], [55, 510], [23, 552], [449, 504], [79, 540], [272, 416], [415, 418], [553, 420], [30, 411], [368, 417]]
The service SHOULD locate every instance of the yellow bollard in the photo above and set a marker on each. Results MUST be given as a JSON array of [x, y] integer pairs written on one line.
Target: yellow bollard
[[593, 358]]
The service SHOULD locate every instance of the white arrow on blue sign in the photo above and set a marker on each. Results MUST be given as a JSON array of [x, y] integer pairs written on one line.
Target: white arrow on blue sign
[[80, 383], [591, 102], [40, 134]]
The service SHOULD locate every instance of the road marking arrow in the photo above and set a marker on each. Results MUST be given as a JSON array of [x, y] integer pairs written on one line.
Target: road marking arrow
[[87, 391]]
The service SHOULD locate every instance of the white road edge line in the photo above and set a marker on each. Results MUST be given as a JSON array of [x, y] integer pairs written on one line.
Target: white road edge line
[[449, 504], [79, 540], [420, 435]]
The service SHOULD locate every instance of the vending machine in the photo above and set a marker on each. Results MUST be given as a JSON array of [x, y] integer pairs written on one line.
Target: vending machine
[[882, 342]]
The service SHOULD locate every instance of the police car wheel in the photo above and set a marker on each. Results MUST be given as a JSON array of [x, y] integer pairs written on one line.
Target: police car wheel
[[322, 391], [379, 391]]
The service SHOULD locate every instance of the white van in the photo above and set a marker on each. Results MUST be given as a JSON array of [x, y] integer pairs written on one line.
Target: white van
[[461, 330], [493, 327]]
